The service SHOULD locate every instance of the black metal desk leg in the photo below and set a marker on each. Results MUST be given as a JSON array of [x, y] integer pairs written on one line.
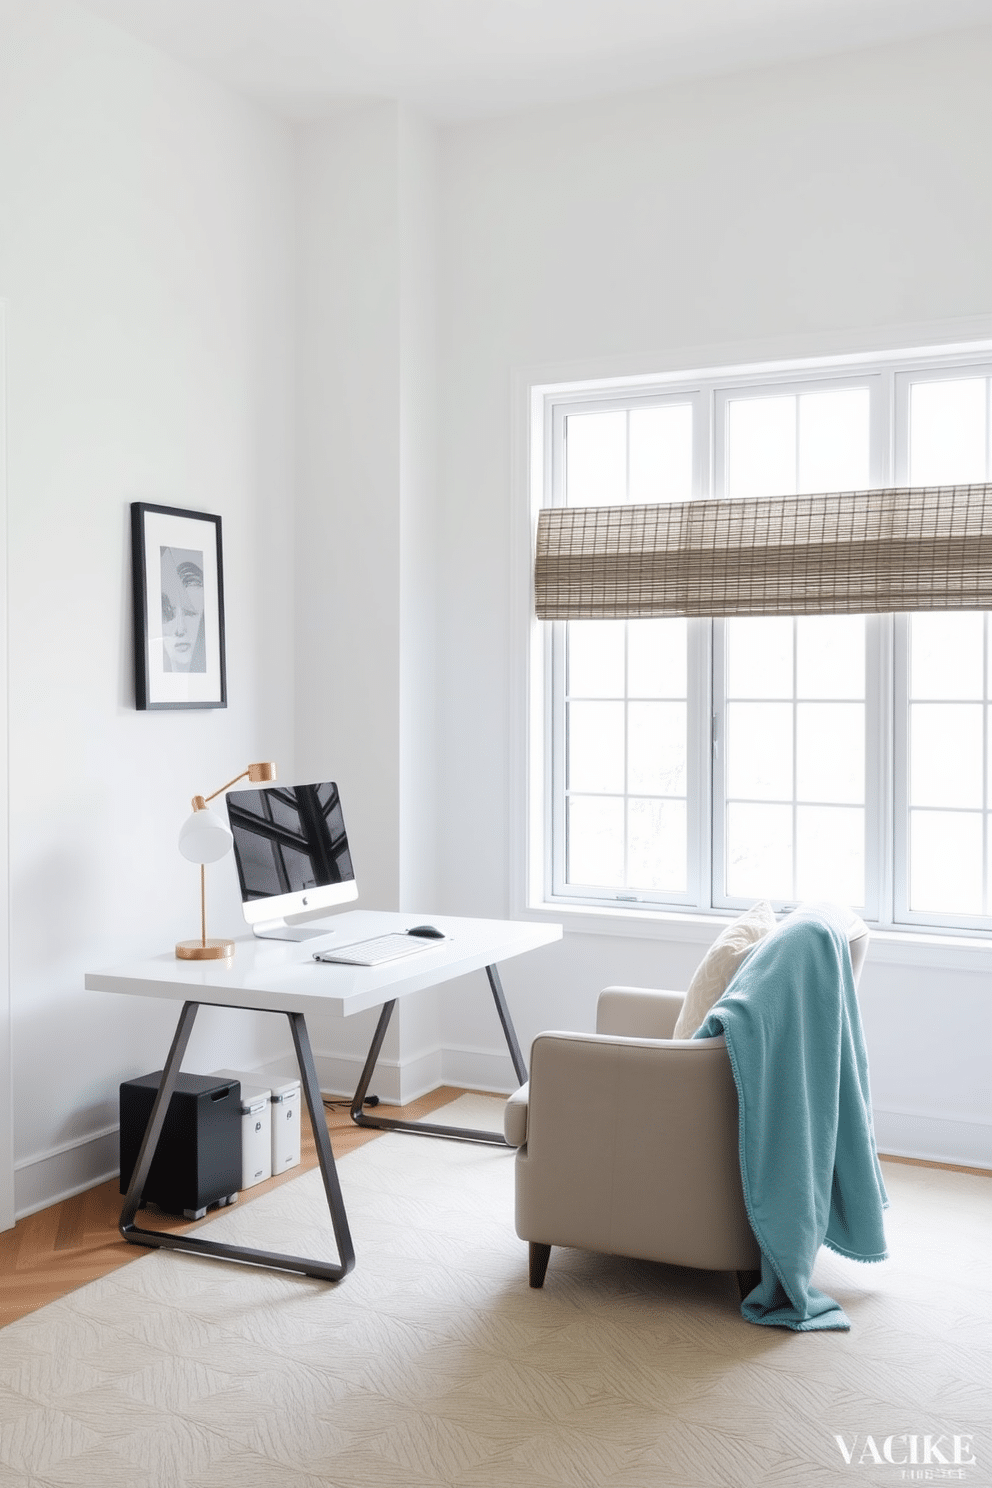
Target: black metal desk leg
[[156, 1121], [318, 1121], [193, 1244], [509, 1032], [371, 1059], [432, 1128]]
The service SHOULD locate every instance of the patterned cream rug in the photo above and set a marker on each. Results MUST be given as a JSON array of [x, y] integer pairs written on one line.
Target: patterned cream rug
[[434, 1363]]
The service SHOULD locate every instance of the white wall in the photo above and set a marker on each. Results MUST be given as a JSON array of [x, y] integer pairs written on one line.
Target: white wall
[[816, 207], [7, 1197], [146, 258], [365, 545]]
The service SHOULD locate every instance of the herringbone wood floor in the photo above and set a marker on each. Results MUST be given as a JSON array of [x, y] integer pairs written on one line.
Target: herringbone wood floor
[[63, 1247]]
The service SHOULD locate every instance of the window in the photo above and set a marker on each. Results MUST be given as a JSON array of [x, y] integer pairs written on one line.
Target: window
[[708, 763]]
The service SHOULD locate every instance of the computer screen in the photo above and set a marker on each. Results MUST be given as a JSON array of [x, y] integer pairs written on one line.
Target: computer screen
[[292, 854]]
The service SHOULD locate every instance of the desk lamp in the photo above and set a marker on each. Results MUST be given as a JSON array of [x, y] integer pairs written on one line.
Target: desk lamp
[[204, 838]]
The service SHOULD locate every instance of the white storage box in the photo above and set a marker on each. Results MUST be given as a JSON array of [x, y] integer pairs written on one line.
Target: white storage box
[[284, 1095], [256, 1126], [285, 1124]]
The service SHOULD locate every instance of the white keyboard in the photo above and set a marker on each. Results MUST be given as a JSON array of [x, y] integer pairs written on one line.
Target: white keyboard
[[374, 952]]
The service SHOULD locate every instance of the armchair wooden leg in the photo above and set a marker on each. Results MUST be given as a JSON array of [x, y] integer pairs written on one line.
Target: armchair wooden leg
[[539, 1257], [747, 1281]]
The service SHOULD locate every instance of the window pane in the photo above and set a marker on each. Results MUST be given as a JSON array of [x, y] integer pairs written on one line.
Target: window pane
[[759, 657], [596, 459], [947, 434], [830, 752], [595, 841], [656, 846], [830, 656], [657, 652], [595, 746], [946, 862], [761, 446], [595, 658], [833, 440], [946, 754], [830, 854], [661, 453], [946, 656], [759, 851], [759, 751], [656, 748]]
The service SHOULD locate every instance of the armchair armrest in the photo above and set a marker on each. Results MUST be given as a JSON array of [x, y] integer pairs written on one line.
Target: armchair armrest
[[515, 1116], [638, 1012]]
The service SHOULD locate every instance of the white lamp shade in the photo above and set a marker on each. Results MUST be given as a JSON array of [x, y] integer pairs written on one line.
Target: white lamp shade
[[204, 837]]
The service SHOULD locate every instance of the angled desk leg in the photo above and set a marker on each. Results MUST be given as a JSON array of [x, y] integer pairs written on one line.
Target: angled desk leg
[[430, 1128], [164, 1240]]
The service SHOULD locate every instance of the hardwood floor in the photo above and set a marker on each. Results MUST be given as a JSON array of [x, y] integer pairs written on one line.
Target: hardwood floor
[[58, 1249]]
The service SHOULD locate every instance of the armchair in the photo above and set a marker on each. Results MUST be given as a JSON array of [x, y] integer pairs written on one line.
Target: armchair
[[628, 1140]]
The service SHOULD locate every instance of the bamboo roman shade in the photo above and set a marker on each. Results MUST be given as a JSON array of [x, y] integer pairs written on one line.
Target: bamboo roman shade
[[849, 552]]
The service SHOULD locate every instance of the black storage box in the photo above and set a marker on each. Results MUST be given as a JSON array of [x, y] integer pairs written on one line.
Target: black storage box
[[198, 1160]]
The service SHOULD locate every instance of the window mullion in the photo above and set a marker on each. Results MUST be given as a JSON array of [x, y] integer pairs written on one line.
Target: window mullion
[[626, 753], [985, 764], [717, 755], [796, 744], [560, 759]]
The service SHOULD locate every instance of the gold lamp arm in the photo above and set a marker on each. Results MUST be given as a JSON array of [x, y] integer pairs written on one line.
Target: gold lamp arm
[[216, 950], [257, 774]]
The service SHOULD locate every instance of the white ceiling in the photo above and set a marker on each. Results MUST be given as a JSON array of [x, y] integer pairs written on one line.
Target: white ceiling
[[463, 58]]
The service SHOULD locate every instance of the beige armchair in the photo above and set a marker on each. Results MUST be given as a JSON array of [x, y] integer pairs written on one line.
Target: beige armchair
[[627, 1140]]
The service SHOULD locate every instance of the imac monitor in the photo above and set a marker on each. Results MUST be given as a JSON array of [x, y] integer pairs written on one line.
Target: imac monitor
[[292, 853]]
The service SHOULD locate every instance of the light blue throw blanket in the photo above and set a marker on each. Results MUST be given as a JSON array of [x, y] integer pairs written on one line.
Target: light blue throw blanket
[[807, 1149]]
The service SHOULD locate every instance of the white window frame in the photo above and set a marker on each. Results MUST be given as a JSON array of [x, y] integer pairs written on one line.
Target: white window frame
[[901, 916], [697, 823], [891, 373]]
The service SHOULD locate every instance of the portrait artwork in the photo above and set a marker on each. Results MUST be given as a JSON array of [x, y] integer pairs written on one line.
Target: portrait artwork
[[183, 645], [178, 608]]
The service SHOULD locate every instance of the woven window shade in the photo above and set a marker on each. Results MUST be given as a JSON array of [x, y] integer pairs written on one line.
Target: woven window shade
[[849, 552]]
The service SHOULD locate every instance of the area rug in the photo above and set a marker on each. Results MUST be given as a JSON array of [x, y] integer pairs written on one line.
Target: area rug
[[435, 1363]]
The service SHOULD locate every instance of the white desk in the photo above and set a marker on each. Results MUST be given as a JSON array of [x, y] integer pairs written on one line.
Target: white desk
[[282, 977]]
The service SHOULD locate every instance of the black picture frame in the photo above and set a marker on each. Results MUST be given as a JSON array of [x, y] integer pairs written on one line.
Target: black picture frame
[[177, 572]]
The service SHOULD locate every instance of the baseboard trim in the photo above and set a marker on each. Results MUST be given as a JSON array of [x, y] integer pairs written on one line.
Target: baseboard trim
[[938, 1167], [397, 1081], [479, 1069], [940, 1139], [63, 1172]]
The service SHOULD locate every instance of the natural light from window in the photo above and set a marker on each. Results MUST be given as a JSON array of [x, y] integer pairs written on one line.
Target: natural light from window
[[711, 763]]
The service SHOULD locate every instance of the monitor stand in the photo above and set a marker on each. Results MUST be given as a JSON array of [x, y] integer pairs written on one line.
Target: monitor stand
[[281, 930]]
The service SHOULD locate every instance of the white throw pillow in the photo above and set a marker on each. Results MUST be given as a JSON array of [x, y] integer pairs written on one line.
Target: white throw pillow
[[719, 964]]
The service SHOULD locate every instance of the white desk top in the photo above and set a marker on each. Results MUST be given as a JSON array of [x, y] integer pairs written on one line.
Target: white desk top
[[282, 976]]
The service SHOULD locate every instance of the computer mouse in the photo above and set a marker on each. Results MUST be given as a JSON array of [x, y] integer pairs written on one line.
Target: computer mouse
[[429, 932]]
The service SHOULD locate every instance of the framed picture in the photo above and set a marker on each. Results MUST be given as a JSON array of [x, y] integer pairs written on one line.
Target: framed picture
[[178, 608]]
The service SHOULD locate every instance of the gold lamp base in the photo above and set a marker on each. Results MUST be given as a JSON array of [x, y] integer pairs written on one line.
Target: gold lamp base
[[199, 950]]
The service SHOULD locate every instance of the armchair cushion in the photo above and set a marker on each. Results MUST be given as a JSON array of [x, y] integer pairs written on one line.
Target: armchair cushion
[[720, 964]]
